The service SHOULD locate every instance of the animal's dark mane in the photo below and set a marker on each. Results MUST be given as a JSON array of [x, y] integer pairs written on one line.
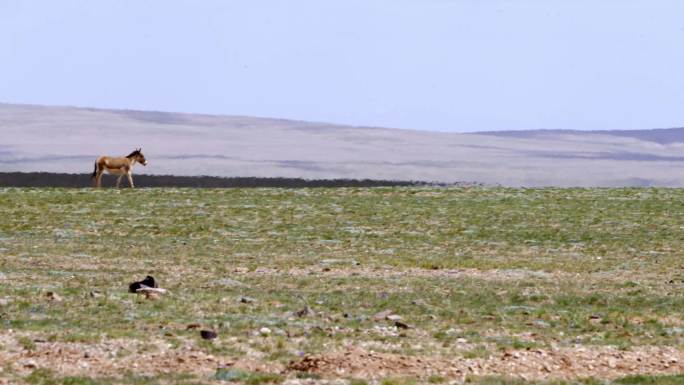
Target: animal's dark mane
[[132, 154]]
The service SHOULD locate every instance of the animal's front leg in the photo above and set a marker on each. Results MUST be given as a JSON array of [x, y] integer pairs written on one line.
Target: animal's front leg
[[130, 179]]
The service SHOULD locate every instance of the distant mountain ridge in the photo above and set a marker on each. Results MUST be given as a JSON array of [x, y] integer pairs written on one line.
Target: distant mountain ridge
[[67, 140], [656, 135]]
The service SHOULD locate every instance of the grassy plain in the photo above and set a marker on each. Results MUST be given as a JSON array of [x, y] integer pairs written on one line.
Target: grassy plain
[[481, 285]]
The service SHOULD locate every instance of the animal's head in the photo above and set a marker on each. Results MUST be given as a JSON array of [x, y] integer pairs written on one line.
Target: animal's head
[[138, 156]]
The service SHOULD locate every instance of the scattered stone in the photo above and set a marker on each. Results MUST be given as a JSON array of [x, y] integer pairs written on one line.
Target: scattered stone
[[264, 331], [541, 324], [521, 308], [193, 326], [247, 300], [393, 317], [612, 363], [331, 261], [95, 294], [54, 297], [304, 312], [148, 282], [523, 273], [5, 301], [382, 315], [208, 334], [151, 290], [228, 282], [231, 375], [401, 325]]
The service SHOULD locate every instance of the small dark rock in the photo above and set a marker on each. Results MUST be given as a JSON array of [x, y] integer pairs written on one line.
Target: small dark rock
[[304, 312], [247, 300], [401, 325], [147, 282], [208, 334]]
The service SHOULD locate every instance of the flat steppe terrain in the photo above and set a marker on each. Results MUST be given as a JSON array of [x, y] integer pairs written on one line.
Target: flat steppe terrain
[[342, 286]]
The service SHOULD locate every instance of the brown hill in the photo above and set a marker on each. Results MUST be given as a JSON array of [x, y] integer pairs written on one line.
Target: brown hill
[[67, 140]]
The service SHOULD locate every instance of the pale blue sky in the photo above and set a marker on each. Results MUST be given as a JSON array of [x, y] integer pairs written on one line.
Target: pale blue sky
[[426, 64]]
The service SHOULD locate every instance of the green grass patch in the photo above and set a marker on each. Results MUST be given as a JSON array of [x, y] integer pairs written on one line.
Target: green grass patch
[[471, 271]]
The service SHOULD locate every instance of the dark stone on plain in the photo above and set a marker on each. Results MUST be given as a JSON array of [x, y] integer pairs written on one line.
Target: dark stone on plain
[[304, 312], [208, 334], [147, 282]]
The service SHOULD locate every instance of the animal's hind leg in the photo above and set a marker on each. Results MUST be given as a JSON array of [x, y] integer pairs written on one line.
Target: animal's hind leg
[[130, 179], [98, 179], [118, 181]]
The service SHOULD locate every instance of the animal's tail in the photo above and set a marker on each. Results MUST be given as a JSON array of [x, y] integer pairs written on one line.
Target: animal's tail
[[94, 172]]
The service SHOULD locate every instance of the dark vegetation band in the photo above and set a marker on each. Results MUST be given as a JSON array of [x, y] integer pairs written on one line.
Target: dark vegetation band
[[46, 179]]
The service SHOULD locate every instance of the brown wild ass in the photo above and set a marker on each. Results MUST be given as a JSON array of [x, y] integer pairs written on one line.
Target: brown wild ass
[[117, 166]]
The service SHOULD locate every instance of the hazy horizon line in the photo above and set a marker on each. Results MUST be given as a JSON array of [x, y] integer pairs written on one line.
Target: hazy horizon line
[[313, 121]]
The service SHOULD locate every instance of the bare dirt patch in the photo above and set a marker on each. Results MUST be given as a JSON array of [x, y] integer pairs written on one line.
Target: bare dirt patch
[[565, 363], [112, 358]]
